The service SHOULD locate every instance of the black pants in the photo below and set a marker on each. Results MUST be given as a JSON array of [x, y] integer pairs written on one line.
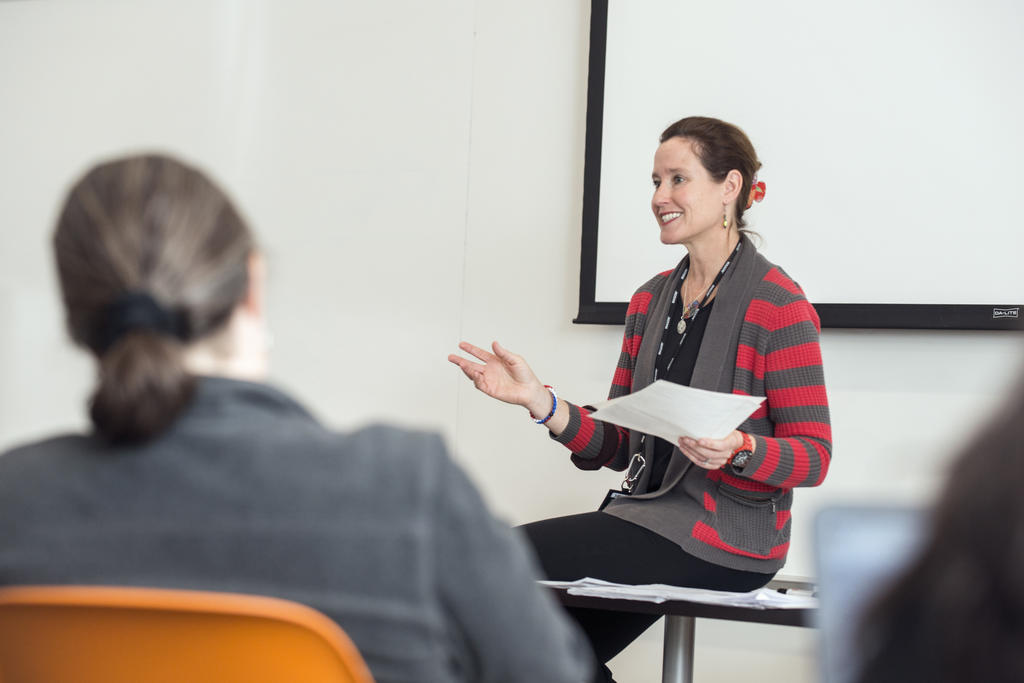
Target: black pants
[[602, 546]]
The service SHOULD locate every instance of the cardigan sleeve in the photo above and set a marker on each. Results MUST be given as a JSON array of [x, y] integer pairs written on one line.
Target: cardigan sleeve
[[595, 444], [799, 450]]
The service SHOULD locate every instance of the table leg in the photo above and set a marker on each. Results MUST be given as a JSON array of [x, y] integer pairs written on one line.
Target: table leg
[[677, 657]]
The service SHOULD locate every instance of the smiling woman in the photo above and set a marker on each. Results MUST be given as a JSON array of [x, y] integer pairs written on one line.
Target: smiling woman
[[706, 513], [681, 202], [699, 155]]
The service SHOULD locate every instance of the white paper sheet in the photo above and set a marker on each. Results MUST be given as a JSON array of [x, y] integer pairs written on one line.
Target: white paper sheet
[[671, 410], [762, 598]]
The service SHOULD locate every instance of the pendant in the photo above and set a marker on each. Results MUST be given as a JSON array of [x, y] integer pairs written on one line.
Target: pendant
[[681, 325]]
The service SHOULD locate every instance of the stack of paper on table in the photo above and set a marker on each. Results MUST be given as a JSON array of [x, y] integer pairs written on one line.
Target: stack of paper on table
[[762, 598], [671, 410]]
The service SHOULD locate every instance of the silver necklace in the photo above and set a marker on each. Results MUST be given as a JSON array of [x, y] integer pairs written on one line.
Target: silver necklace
[[688, 311]]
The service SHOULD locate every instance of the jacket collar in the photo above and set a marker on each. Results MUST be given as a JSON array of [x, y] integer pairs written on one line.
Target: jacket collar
[[225, 397], [716, 358]]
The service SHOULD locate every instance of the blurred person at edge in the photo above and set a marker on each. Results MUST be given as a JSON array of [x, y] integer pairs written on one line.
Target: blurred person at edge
[[956, 612], [200, 475]]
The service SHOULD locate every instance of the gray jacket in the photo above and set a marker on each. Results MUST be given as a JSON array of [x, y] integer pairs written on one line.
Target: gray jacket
[[379, 529]]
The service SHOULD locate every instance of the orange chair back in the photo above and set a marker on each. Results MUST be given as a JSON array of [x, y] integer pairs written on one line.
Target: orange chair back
[[101, 634]]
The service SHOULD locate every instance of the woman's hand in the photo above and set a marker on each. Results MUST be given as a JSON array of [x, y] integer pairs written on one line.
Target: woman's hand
[[711, 454], [505, 376]]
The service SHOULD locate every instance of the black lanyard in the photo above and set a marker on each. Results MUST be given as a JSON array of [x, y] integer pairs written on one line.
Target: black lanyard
[[693, 318]]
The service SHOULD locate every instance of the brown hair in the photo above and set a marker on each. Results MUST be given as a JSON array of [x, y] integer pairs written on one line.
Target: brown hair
[[721, 147], [148, 225]]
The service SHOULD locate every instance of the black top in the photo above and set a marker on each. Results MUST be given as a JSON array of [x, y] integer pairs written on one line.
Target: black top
[[681, 372]]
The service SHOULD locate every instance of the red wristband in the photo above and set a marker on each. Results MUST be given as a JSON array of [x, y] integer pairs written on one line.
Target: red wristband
[[747, 445]]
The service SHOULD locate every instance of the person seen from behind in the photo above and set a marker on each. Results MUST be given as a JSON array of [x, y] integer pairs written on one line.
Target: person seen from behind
[[198, 474]]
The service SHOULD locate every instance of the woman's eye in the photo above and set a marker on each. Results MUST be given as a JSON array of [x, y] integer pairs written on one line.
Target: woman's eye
[[677, 179], [656, 182]]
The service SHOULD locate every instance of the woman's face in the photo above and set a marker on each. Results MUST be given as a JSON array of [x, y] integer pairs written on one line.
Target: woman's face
[[687, 202]]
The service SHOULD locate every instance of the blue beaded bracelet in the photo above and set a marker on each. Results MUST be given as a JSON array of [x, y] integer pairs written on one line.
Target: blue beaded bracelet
[[554, 405]]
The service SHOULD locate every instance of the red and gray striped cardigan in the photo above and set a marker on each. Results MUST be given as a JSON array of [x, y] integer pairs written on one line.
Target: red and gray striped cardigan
[[761, 340]]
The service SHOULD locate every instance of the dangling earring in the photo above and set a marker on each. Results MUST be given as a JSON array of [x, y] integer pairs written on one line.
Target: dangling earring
[[725, 219]]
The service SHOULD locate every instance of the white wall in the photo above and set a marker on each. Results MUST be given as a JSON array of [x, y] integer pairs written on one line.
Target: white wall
[[415, 172]]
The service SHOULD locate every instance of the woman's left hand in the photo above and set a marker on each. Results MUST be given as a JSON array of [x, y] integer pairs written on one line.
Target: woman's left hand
[[711, 454]]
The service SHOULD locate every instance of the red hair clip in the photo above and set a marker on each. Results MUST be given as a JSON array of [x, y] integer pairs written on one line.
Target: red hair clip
[[757, 191]]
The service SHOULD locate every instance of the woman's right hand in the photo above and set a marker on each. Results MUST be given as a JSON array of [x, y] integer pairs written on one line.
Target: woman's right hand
[[505, 376]]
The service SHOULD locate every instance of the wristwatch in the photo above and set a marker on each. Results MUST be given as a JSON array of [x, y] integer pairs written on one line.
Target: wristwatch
[[741, 456]]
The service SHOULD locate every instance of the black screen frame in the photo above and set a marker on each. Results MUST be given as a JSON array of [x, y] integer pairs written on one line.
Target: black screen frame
[[859, 316]]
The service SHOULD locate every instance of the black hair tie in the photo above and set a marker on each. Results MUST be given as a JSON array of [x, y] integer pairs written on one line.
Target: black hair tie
[[136, 310]]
